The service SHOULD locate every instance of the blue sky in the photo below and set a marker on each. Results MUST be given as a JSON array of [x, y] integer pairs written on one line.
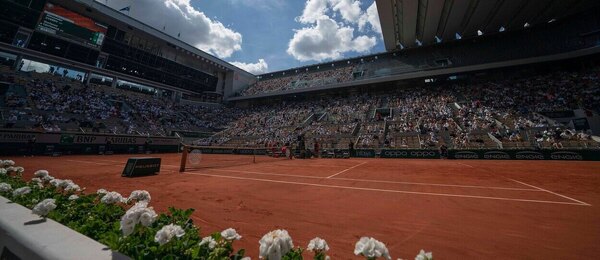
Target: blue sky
[[266, 35]]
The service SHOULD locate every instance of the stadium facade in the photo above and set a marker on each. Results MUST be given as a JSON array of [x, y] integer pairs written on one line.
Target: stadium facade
[[431, 45], [424, 39], [103, 43]]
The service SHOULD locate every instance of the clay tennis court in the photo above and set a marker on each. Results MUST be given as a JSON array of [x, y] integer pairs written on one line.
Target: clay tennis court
[[459, 209]]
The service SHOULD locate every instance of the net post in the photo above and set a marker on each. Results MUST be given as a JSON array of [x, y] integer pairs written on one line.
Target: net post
[[183, 158], [254, 155]]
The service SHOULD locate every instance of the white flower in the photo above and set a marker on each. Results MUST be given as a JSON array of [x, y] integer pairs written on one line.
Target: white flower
[[148, 217], [44, 207], [139, 195], [127, 225], [56, 182], [47, 178], [246, 258], [111, 198], [40, 173], [8, 163], [2, 172], [139, 213], [424, 255], [230, 234], [66, 183], [275, 244], [371, 248], [5, 187], [72, 187], [318, 244], [210, 241], [36, 180], [101, 192], [166, 233], [10, 169], [19, 169], [73, 197], [21, 191]]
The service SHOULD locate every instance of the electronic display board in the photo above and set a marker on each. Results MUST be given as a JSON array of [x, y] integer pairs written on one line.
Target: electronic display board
[[59, 21]]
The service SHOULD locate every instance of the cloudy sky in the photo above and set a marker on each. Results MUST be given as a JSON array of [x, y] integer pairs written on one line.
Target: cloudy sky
[[266, 35]]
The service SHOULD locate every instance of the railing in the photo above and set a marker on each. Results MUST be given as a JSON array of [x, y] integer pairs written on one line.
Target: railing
[[498, 142], [308, 120]]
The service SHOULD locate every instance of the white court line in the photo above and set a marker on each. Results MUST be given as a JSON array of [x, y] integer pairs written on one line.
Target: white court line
[[111, 161], [385, 190], [97, 163], [303, 165], [380, 181], [466, 165], [343, 171], [437, 184], [272, 174], [560, 195]]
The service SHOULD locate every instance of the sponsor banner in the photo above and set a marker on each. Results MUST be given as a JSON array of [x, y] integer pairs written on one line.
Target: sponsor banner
[[573, 155], [66, 138], [15, 137], [364, 153], [529, 155], [565, 155], [429, 154], [463, 155], [100, 139], [116, 139], [217, 150], [141, 166], [243, 151], [163, 141], [15, 142], [496, 155], [23, 137]]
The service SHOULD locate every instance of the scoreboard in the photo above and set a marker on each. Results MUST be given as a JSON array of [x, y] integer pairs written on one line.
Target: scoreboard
[[64, 23]]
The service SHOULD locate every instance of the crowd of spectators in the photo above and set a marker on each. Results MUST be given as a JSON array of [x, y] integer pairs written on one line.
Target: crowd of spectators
[[51, 101], [301, 80], [480, 114]]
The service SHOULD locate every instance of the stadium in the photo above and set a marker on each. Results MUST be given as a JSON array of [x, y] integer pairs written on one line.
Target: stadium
[[474, 134]]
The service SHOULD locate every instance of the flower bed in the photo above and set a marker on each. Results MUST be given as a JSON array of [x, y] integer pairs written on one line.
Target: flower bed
[[130, 225]]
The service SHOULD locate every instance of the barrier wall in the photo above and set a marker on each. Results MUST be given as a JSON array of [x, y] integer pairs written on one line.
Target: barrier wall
[[497, 154], [16, 143], [545, 154], [28, 237]]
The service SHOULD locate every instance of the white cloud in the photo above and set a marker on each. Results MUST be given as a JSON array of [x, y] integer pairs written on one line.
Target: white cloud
[[180, 17], [349, 9], [257, 68], [371, 17], [313, 10], [327, 40]]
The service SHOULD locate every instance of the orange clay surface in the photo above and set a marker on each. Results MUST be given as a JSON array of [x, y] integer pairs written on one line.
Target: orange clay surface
[[458, 209]]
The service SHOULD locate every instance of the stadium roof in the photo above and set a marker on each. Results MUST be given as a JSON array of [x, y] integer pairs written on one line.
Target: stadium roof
[[412, 23]]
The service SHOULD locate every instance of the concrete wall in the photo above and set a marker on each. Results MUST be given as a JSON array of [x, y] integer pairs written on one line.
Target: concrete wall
[[29, 237], [235, 82]]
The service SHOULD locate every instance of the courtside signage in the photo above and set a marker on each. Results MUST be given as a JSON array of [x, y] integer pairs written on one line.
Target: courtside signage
[[430, 154]]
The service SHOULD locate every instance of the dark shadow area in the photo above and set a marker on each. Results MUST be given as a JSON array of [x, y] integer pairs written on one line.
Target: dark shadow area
[[34, 222]]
